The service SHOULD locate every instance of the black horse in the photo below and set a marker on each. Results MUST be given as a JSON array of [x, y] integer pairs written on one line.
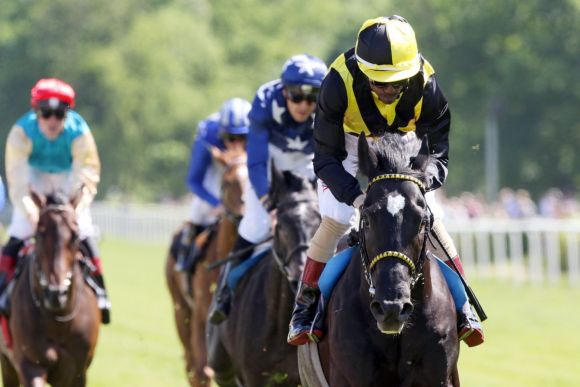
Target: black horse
[[250, 347], [408, 334]]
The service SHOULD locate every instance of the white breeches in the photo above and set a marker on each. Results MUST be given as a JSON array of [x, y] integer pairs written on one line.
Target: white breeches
[[256, 224]]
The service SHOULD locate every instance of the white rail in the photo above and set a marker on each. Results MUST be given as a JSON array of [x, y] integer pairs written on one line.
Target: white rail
[[535, 249]]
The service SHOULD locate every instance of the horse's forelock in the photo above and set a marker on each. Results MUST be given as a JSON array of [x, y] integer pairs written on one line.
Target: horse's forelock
[[57, 198], [395, 152]]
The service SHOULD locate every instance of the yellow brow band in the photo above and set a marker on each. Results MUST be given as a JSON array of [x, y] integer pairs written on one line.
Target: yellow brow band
[[394, 254], [397, 176]]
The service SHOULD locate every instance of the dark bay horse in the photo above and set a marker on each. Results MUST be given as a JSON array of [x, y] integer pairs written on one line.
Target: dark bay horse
[[191, 310], [54, 316], [250, 347], [391, 318]]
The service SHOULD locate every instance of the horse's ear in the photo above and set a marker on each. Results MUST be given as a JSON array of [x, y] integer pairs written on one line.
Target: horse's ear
[[38, 198], [367, 157], [278, 181], [420, 161]]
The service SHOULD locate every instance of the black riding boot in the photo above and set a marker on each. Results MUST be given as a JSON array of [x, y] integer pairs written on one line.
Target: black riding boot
[[8, 263], [89, 249], [306, 305], [224, 294], [187, 252]]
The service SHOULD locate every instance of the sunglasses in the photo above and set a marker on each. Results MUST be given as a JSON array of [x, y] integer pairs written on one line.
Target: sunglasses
[[48, 112], [233, 137], [398, 85], [299, 97]]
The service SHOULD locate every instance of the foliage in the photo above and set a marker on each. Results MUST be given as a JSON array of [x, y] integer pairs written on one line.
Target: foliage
[[147, 71]]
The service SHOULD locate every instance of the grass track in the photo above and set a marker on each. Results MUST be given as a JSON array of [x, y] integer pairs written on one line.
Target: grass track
[[531, 338]]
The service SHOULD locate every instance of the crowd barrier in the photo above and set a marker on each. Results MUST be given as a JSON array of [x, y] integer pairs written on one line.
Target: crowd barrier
[[534, 249]]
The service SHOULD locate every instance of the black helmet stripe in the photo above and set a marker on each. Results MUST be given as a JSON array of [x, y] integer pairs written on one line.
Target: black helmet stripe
[[369, 40]]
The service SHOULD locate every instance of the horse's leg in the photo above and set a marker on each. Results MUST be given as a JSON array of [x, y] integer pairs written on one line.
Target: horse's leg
[[182, 313], [32, 375], [455, 377], [202, 282], [9, 375], [80, 380], [218, 358]]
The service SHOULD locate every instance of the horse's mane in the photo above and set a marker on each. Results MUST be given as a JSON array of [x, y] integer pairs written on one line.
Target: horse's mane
[[295, 188], [396, 152]]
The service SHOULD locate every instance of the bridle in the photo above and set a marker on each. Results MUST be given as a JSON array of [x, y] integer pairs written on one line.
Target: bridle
[[36, 274], [284, 263], [370, 264]]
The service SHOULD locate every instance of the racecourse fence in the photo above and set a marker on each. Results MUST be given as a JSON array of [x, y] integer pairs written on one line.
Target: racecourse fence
[[535, 249]]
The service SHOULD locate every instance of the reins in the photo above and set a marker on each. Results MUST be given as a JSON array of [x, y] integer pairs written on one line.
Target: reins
[[368, 264]]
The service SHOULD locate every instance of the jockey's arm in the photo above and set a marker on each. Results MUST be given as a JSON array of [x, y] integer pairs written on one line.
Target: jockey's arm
[[329, 140], [435, 120], [86, 168], [258, 154], [200, 162], [18, 149]]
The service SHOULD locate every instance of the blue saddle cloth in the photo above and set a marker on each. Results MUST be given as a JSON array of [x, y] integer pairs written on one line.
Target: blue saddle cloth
[[337, 265], [333, 270], [239, 271]]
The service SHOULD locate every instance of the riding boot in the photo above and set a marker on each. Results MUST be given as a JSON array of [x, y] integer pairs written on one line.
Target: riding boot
[[188, 251], [469, 329], [306, 305], [8, 261], [224, 294], [96, 273]]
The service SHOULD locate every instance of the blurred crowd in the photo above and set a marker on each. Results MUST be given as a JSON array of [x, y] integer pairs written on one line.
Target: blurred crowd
[[514, 204]]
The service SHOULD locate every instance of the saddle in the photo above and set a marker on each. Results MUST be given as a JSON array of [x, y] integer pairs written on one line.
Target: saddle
[[197, 249]]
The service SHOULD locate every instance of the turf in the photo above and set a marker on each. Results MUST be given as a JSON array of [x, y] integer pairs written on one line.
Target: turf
[[531, 330]]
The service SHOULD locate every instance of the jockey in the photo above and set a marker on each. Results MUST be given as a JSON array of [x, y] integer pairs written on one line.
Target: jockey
[[221, 130], [281, 122], [382, 84], [50, 149]]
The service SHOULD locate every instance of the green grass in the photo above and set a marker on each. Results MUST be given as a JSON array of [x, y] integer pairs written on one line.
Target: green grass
[[531, 331], [140, 347]]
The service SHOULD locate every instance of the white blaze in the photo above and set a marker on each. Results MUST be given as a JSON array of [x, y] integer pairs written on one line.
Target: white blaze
[[395, 204]]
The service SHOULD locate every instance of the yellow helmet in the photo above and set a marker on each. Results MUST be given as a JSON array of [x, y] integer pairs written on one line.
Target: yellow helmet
[[386, 49]]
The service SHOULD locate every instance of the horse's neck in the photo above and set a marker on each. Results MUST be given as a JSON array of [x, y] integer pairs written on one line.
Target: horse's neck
[[356, 279], [279, 296]]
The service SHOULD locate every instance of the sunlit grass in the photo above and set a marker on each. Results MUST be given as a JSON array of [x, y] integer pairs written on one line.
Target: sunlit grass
[[531, 331]]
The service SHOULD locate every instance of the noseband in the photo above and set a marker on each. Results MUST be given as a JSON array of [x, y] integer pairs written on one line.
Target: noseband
[[368, 264]]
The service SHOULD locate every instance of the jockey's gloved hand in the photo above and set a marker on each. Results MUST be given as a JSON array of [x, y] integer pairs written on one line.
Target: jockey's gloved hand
[[31, 210], [266, 202], [359, 201]]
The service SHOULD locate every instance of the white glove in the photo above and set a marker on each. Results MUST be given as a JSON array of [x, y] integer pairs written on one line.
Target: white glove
[[359, 201], [31, 210]]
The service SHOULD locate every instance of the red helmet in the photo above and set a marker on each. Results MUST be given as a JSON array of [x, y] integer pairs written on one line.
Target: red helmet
[[48, 88]]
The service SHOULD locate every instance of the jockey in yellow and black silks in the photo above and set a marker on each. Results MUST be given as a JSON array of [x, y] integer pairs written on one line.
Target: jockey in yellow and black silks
[[381, 85]]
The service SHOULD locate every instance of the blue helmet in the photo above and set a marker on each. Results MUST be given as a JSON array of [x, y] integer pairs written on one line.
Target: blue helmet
[[303, 69], [234, 116]]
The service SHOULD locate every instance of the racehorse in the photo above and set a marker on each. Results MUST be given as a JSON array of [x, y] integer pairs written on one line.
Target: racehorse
[[391, 319], [190, 310], [250, 348], [54, 316]]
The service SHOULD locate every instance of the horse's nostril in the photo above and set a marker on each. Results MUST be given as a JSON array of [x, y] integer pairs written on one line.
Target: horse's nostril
[[376, 308], [407, 310]]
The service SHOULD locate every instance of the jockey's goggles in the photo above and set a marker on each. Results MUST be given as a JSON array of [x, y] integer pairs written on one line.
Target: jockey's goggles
[[299, 93], [230, 137], [47, 112], [398, 85]]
